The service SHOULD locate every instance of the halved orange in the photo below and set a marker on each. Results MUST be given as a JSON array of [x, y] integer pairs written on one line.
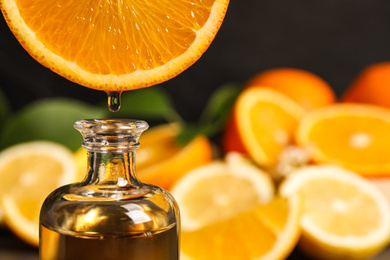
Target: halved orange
[[350, 135], [115, 45], [304, 87], [262, 124], [160, 160]]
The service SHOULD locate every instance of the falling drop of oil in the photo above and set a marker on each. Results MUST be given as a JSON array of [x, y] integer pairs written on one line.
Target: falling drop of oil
[[114, 101]]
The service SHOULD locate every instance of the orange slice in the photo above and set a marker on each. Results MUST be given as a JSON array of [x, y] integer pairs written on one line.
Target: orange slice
[[262, 124], [28, 173], [344, 215], [350, 135], [160, 160], [306, 88], [115, 45]]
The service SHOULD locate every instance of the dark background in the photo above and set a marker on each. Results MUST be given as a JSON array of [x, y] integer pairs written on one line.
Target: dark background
[[334, 39]]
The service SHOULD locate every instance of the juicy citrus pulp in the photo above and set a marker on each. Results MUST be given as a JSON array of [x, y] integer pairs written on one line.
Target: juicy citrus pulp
[[262, 124], [220, 190], [351, 135], [269, 232], [307, 89], [115, 45], [344, 215], [28, 173]]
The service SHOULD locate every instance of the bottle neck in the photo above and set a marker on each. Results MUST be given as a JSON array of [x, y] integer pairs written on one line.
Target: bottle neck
[[111, 145], [114, 168]]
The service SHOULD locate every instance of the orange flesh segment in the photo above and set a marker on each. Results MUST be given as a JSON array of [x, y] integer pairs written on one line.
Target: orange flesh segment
[[361, 143], [111, 36], [273, 127]]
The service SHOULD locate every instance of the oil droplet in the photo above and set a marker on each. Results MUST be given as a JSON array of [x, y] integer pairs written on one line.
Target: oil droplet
[[114, 101]]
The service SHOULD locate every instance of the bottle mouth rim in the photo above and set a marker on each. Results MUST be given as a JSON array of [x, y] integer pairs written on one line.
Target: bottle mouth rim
[[114, 126], [110, 135]]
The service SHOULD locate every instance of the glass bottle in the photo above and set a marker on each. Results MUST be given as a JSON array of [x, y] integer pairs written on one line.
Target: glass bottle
[[111, 214]]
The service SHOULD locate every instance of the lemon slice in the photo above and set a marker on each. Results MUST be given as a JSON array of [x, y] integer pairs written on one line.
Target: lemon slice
[[28, 173], [344, 215], [220, 190]]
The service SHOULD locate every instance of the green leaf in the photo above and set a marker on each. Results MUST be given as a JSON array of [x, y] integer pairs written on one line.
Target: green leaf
[[219, 108], [214, 116], [49, 119], [189, 132], [148, 103]]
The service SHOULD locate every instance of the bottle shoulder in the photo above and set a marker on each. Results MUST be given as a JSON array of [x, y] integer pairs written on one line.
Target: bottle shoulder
[[109, 209]]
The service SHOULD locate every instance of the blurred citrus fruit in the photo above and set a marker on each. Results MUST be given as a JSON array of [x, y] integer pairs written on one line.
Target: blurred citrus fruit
[[229, 206], [220, 190], [350, 135], [115, 45], [307, 89], [262, 124], [371, 86], [28, 173], [344, 215], [160, 160]]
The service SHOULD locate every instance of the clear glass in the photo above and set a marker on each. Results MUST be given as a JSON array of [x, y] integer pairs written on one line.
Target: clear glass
[[111, 214]]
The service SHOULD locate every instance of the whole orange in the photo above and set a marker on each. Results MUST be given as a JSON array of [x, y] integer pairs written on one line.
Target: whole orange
[[304, 87], [371, 86]]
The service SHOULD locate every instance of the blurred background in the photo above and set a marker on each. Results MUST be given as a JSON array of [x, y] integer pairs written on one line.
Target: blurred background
[[334, 39]]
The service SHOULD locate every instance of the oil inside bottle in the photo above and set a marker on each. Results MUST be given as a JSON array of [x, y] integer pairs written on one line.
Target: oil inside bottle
[[149, 245]]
